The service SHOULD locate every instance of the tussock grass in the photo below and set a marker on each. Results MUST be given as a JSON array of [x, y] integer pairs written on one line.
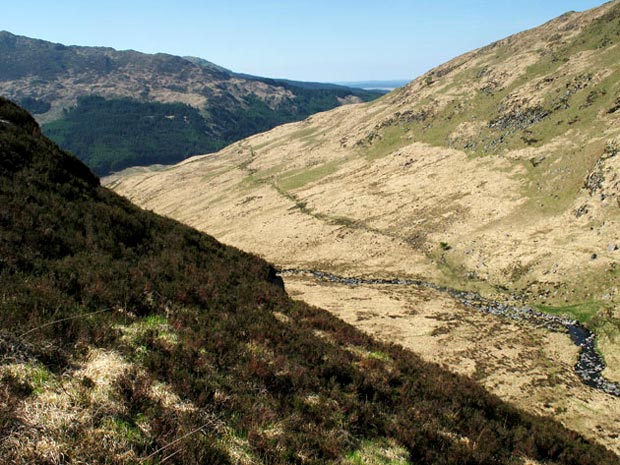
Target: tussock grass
[[378, 453]]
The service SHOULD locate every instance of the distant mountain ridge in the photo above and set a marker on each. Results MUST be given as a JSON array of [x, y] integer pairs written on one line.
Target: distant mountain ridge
[[56, 82]]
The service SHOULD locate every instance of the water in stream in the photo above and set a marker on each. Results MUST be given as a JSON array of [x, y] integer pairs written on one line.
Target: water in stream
[[590, 364]]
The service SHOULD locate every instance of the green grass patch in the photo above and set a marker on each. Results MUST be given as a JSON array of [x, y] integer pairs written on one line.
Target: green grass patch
[[250, 182], [552, 187], [584, 312], [154, 321], [301, 134], [299, 178], [381, 356], [127, 431], [38, 377], [392, 138], [236, 444], [137, 334], [272, 144], [270, 174], [609, 327], [258, 178], [602, 33], [378, 452]]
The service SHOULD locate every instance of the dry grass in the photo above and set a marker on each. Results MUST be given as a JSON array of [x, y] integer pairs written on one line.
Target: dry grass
[[530, 367], [80, 411], [378, 453], [68, 409]]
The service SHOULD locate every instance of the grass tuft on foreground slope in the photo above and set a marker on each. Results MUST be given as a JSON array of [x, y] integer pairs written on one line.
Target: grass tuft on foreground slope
[[129, 338]]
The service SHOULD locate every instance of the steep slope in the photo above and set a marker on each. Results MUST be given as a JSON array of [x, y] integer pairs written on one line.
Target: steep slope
[[497, 171], [124, 329], [498, 167], [107, 105]]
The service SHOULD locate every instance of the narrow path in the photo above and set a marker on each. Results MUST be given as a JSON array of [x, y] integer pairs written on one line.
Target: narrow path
[[590, 364], [303, 208]]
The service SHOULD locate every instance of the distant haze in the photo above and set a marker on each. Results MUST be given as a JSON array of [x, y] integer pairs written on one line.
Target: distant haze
[[376, 85]]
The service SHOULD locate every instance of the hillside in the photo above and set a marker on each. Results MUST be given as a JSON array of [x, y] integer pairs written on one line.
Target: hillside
[[126, 329], [116, 109], [495, 172]]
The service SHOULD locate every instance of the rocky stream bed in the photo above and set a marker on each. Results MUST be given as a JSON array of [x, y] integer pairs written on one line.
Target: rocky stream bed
[[590, 364]]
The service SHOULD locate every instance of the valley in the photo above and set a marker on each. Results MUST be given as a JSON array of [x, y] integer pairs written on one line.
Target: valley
[[590, 364], [518, 360], [127, 337], [495, 173], [202, 266], [115, 109]]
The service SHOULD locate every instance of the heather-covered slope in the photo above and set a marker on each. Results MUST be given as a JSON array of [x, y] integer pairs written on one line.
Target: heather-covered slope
[[116, 109], [127, 330]]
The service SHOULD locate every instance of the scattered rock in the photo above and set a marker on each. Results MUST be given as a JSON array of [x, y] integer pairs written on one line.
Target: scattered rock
[[615, 107], [594, 181], [519, 119], [590, 364], [611, 149], [483, 71], [583, 210]]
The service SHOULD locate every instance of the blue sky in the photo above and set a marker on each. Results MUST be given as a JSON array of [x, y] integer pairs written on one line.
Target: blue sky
[[318, 40]]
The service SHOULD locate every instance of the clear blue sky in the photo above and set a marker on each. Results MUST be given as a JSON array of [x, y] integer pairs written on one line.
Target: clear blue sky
[[319, 40]]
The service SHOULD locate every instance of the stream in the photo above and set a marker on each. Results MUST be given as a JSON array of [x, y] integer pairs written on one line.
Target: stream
[[590, 364]]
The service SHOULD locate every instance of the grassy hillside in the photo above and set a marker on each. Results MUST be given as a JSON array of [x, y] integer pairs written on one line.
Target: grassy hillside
[[496, 172], [133, 331], [506, 155], [60, 84]]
